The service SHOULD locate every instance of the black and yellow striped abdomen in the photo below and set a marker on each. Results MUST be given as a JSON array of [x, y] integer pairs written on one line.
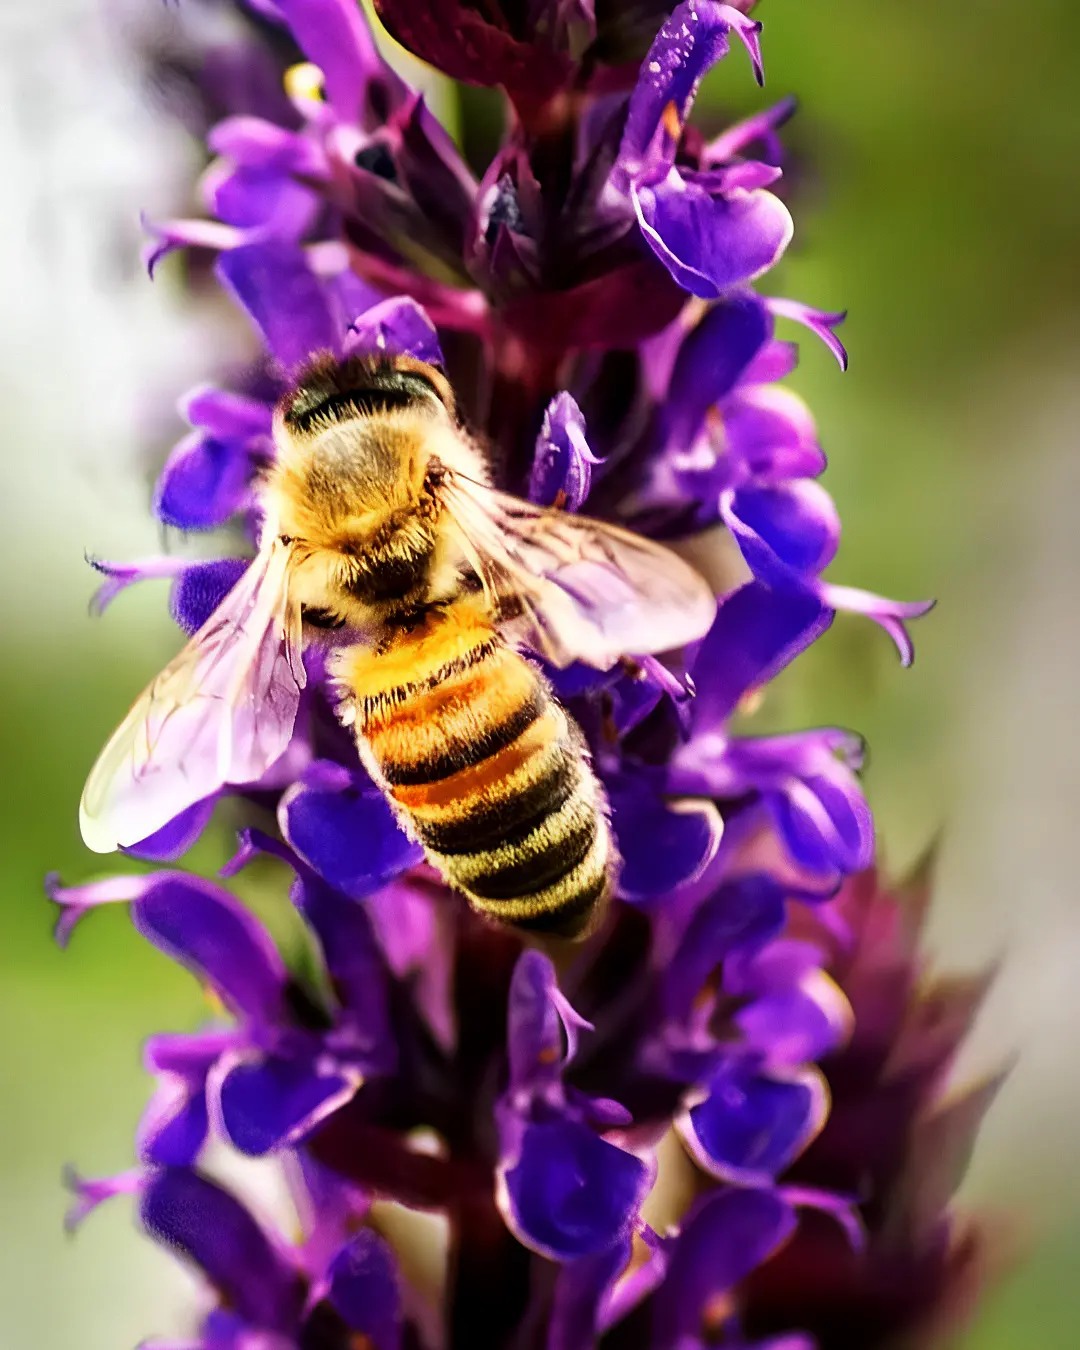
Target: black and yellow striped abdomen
[[485, 769]]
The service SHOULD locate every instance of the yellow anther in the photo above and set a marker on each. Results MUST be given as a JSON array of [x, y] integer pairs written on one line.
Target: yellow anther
[[671, 121], [305, 83]]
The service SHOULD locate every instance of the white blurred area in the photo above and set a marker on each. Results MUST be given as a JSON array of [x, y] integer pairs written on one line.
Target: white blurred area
[[1008, 885], [91, 355]]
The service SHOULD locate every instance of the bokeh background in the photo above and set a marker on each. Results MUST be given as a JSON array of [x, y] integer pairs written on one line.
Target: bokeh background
[[936, 149]]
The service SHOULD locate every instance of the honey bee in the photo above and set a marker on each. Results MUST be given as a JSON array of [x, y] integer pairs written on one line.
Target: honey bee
[[384, 540]]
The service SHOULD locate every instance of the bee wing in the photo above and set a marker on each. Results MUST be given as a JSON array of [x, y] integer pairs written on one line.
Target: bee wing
[[221, 712], [577, 589]]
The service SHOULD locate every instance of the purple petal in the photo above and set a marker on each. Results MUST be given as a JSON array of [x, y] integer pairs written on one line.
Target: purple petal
[[752, 1125], [213, 935], [542, 1027], [787, 534], [728, 1234], [747, 911], [757, 127], [258, 199], [581, 1288], [259, 144], [268, 1103], [89, 1192], [570, 1193], [283, 298], [204, 482], [174, 1125], [689, 44], [173, 234], [797, 1025], [710, 242], [710, 361], [770, 431], [75, 902], [819, 321], [662, 847], [888, 614], [412, 927], [196, 923], [206, 1225], [172, 841], [825, 822], [200, 588], [364, 1288], [351, 296], [756, 633], [562, 461], [357, 971], [348, 833], [226, 415], [435, 176], [334, 35], [398, 325], [119, 576]]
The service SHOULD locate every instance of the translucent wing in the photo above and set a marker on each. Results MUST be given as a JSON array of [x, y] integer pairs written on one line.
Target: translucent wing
[[577, 589], [221, 712]]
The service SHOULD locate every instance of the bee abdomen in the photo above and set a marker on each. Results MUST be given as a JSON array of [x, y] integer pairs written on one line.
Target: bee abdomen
[[493, 778]]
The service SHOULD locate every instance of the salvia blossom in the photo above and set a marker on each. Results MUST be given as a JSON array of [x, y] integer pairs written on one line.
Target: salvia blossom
[[590, 293]]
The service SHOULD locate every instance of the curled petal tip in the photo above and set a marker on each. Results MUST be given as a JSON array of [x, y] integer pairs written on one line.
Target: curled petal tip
[[89, 1192], [820, 322]]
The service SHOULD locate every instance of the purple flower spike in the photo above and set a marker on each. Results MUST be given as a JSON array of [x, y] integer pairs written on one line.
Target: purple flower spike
[[403, 1049]]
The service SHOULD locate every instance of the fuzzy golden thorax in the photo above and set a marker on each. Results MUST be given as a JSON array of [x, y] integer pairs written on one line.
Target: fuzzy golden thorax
[[354, 490]]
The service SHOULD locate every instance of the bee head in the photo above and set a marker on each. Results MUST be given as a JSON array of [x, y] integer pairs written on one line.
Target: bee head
[[330, 392], [354, 442]]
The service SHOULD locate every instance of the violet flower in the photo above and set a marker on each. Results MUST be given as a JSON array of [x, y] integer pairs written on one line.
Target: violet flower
[[589, 293]]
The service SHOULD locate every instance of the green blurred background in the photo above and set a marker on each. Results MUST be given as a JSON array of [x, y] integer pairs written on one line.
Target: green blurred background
[[937, 147]]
